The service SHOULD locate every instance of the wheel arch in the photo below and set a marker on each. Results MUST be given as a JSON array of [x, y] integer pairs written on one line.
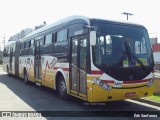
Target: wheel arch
[[59, 73]]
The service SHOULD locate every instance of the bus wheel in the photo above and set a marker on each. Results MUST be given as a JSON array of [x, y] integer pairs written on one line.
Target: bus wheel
[[62, 89], [25, 77], [8, 71]]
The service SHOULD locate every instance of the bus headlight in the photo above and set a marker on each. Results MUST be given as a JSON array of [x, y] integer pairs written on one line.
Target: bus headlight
[[102, 84], [150, 82]]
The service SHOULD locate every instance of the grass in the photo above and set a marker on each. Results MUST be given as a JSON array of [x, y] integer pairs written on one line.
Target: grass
[[156, 95], [155, 98]]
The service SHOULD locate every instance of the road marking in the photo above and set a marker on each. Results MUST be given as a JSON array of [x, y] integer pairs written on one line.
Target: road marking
[[144, 104]]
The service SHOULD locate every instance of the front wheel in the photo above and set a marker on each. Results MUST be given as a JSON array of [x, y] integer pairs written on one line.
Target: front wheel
[[62, 88]]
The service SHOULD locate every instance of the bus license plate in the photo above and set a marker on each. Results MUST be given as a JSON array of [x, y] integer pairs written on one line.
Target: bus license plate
[[130, 94]]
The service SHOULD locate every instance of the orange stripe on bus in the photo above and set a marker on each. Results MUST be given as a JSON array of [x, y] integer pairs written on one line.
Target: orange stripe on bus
[[96, 72], [64, 69]]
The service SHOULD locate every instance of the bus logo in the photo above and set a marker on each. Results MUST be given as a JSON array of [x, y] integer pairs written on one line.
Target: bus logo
[[118, 84]]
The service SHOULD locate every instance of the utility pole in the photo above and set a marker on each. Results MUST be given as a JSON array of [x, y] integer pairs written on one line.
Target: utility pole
[[127, 14]]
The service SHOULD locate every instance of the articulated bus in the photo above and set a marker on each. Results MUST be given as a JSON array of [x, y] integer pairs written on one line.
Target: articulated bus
[[92, 59]]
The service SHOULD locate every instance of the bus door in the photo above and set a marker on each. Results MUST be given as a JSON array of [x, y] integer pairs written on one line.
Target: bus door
[[38, 53], [11, 59], [78, 66]]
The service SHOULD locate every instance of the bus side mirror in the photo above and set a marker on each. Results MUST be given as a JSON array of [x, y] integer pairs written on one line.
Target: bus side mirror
[[92, 38]]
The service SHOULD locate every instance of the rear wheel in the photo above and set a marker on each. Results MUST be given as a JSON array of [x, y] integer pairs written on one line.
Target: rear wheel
[[8, 71], [25, 77], [62, 88]]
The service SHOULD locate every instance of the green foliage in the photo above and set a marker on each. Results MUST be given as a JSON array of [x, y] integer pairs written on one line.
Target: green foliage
[[155, 98]]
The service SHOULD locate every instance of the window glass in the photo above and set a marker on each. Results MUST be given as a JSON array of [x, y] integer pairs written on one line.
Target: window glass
[[31, 43], [6, 49], [22, 45], [48, 39], [9, 49], [13, 49], [27, 44], [83, 45], [62, 35], [140, 46]]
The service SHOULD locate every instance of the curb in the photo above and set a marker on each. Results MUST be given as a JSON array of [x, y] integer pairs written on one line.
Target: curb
[[148, 101]]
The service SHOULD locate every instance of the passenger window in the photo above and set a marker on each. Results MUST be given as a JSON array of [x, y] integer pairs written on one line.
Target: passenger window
[[27, 44], [62, 35], [48, 39], [31, 43], [140, 46], [22, 45], [13, 49]]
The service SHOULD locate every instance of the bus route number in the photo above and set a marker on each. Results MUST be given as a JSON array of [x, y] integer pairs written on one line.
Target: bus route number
[[118, 84]]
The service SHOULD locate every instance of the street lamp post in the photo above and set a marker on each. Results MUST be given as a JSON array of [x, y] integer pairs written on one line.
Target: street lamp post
[[127, 14]]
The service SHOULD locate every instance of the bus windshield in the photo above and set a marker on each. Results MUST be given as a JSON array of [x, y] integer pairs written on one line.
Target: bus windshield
[[121, 47]]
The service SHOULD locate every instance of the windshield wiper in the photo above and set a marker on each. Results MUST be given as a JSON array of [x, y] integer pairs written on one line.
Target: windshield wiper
[[131, 57], [123, 57], [126, 54], [140, 62]]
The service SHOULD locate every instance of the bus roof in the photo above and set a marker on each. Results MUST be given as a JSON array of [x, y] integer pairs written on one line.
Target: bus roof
[[10, 43], [117, 22], [76, 17], [65, 20]]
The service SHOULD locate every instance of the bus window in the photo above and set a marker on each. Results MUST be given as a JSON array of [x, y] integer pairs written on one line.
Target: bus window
[[140, 46], [26, 44], [7, 49], [48, 39], [83, 45], [48, 46], [31, 43], [5, 52], [13, 50], [24, 48], [61, 43], [22, 45], [62, 35]]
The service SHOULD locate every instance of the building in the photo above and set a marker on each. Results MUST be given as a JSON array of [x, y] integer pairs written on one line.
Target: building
[[156, 55], [154, 40], [21, 34], [25, 32]]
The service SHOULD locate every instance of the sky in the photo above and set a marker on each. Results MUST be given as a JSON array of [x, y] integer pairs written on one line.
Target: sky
[[16, 15]]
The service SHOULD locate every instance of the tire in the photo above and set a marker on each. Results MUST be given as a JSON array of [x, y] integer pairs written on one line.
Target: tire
[[8, 72], [25, 77], [62, 89]]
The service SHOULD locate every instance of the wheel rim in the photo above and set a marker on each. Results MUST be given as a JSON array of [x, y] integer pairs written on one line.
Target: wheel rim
[[62, 87]]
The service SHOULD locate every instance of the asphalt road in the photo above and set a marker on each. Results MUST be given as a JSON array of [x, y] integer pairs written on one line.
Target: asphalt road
[[17, 96]]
